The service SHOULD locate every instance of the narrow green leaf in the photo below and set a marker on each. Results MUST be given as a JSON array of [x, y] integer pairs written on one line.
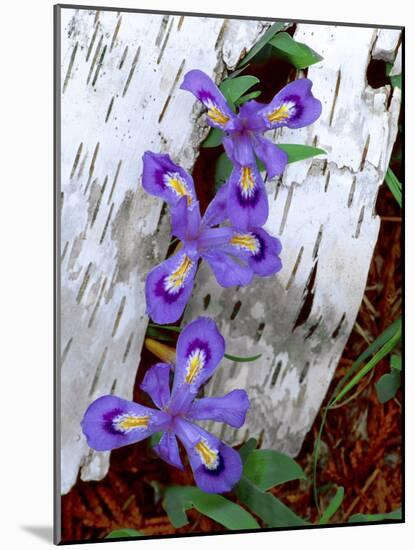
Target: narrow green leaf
[[214, 138], [124, 533], [155, 438], [247, 97], [223, 170], [300, 152], [356, 518], [386, 335], [396, 362], [271, 510], [394, 185], [232, 516], [383, 352], [298, 54], [334, 505], [272, 31], [234, 88], [388, 385], [247, 448], [396, 81], [158, 335], [267, 468], [166, 327], [238, 359]]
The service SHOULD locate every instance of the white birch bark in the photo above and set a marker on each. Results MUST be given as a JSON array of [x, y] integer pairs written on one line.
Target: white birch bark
[[120, 74], [323, 210]]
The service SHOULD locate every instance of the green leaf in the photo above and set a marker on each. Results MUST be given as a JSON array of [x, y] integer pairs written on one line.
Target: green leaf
[[166, 327], [155, 438], [267, 468], [300, 152], [356, 518], [334, 505], [158, 335], [238, 359], [124, 533], [234, 88], [271, 510], [383, 352], [247, 448], [396, 81], [223, 170], [298, 54], [247, 97], [178, 499], [386, 335], [394, 185], [388, 385], [214, 138], [396, 362], [272, 31]]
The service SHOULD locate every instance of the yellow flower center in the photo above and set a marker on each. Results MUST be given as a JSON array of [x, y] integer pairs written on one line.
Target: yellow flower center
[[209, 456], [217, 116], [176, 280], [195, 364], [246, 241], [178, 185], [131, 421], [281, 113]]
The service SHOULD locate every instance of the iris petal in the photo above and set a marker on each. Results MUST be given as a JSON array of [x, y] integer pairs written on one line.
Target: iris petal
[[261, 250], [163, 178], [156, 384], [216, 467], [168, 450], [111, 422], [219, 113], [231, 408], [273, 158], [294, 106], [168, 287], [248, 201], [199, 350]]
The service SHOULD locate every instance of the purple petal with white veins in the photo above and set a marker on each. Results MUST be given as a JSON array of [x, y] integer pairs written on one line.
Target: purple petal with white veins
[[261, 249], [247, 200], [168, 450], [163, 178], [274, 158], [111, 422], [199, 350], [156, 384], [294, 106], [216, 467], [229, 267], [230, 408], [168, 287], [216, 212], [219, 113]]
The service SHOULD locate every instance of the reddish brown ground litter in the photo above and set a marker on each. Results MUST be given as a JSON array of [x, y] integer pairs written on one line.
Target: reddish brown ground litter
[[361, 447]]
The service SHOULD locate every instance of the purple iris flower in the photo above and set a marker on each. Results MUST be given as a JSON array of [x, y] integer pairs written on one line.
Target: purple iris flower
[[111, 422], [294, 107], [234, 255]]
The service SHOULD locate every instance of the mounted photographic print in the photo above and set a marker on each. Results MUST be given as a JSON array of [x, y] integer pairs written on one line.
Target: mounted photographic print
[[228, 274]]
